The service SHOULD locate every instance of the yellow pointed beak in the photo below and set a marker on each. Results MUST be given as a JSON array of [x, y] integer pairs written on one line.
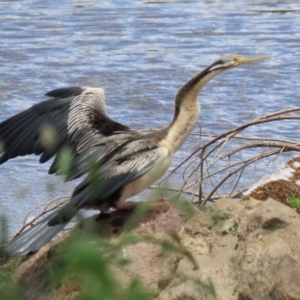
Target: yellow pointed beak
[[246, 60]]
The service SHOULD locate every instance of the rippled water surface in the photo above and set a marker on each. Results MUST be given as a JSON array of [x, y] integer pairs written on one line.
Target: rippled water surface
[[141, 52]]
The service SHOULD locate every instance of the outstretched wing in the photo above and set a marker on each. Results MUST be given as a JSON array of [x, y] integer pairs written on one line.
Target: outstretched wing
[[72, 114]]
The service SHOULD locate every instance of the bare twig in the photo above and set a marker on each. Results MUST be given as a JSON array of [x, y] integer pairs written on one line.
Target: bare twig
[[212, 152], [46, 209], [261, 144]]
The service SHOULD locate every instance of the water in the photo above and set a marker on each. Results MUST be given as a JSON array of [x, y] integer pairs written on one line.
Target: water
[[141, 52]]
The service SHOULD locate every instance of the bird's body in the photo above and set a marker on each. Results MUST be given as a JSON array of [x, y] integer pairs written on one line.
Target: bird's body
[[119, 161]]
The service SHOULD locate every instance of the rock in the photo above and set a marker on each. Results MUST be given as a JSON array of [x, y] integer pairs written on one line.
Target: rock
[[269, 260], [250, 251], [242, 251]]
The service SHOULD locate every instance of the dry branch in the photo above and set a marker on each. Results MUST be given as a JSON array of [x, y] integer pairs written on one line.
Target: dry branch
[[213, 152], [47, 207]]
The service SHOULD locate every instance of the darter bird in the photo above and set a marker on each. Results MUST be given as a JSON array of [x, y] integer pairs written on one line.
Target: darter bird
[[124, 162]]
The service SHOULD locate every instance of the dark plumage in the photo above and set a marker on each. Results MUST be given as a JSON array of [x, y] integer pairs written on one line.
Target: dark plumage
[[120, 162], [65, 92], [22, 134]]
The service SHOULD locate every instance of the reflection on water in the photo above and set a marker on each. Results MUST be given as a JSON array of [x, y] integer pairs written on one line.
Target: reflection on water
[[142, 52]]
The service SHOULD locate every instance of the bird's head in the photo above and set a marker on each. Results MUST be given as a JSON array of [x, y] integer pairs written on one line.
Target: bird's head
[[194, 85], [231, 61]]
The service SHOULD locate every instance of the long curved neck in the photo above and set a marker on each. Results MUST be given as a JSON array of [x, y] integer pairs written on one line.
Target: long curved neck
[[187, 110]]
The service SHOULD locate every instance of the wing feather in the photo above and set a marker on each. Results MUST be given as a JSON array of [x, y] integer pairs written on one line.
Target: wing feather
[[20, 133], [77, 115], [98, 151], [17, 128], [101, 190], [7, 128]]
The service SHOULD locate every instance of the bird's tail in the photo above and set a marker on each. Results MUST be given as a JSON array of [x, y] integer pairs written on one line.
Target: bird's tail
[[35, 237]]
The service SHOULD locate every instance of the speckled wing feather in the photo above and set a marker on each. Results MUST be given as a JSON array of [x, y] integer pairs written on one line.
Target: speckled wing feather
[[99, 150], [106, 185], [73, 113]]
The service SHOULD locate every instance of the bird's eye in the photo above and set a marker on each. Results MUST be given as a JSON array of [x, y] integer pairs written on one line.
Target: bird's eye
[[237, 59]]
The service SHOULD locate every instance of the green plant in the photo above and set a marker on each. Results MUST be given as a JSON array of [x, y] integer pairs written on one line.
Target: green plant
[[219, 216], [88, 264], [294, 201]]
